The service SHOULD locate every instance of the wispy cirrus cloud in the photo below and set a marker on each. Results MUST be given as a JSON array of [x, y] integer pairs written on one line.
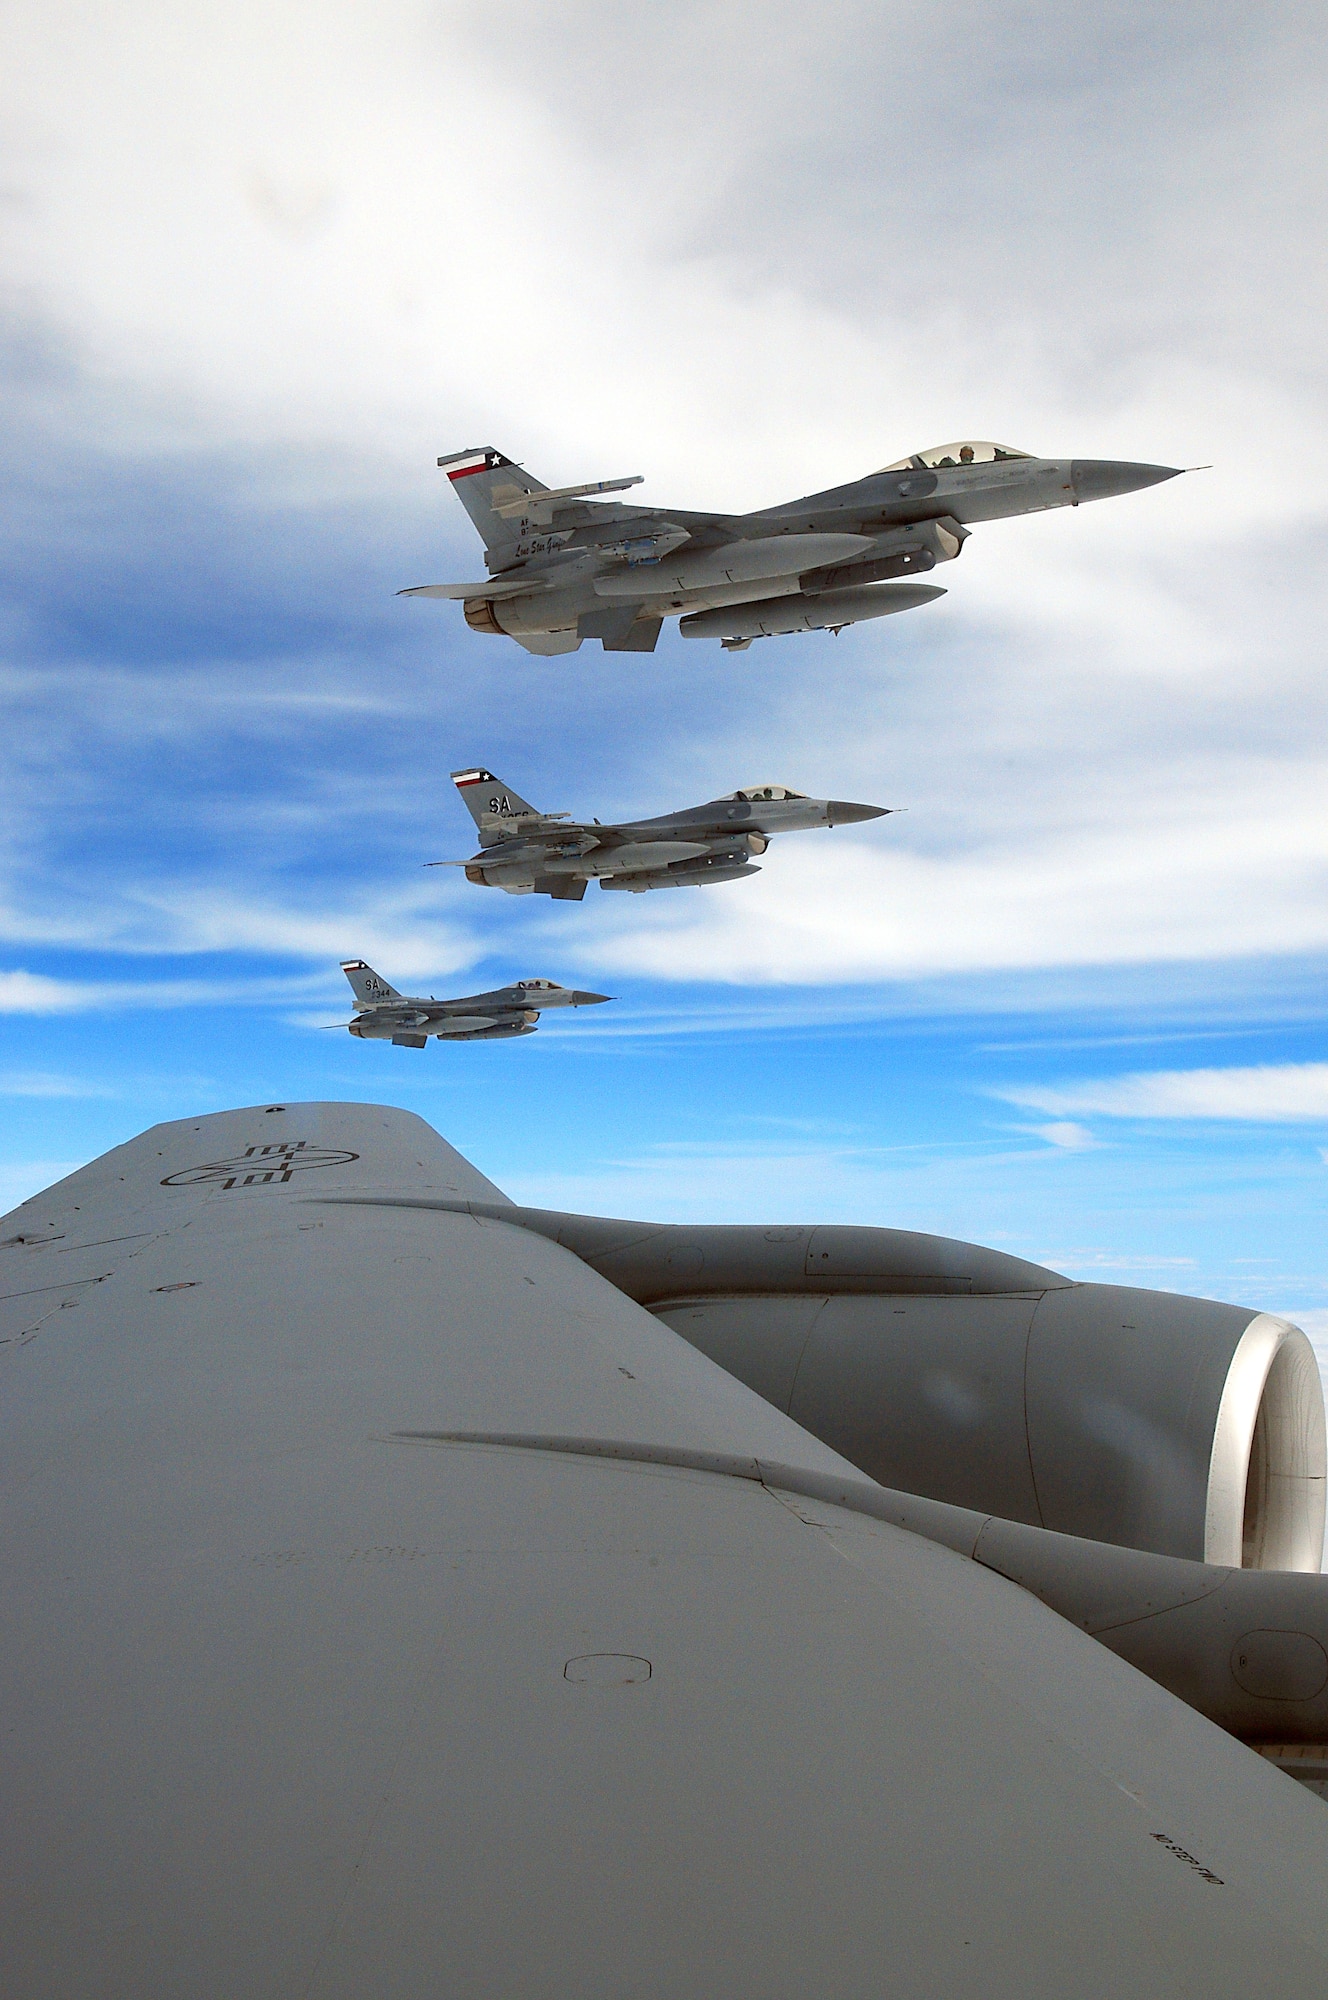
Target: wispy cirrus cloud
[[1066, 1136], [1268, 1093], [36, 993], [49, 1083]]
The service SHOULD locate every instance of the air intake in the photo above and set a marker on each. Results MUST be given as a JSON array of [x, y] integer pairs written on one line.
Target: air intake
[[1266, 1476]]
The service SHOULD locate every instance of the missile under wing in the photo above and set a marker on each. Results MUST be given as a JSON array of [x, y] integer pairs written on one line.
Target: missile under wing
[[564, 566], [525, 851], [303, 1695]]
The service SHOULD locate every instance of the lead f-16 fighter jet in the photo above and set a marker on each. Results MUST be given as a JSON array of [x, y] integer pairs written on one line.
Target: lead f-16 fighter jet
[[384, 1015], [524, 850], [564, 567]]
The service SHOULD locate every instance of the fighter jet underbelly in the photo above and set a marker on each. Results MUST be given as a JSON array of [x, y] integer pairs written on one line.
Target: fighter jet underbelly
[[558, 611], [734, 563], [716, 596], [636, 855]]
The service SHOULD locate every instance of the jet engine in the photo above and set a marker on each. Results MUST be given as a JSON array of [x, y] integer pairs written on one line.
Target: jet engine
[[479, 615], [1176, 1425]]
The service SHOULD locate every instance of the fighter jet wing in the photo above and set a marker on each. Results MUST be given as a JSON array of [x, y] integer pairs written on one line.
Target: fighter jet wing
[[297, 1701]]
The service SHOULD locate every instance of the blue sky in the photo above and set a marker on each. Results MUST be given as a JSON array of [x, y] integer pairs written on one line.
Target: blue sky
[[263, 265]]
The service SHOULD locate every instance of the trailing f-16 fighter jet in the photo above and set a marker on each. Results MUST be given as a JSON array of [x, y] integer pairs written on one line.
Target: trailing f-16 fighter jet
[[384, 1015], [524, 850], [564, 567]]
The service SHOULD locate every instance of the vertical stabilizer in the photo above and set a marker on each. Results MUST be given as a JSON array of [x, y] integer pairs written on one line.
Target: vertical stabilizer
[[369, 988], [483, 480], [492, 805]]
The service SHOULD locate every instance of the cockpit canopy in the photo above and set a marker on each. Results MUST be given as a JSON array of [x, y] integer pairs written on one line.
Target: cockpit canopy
[[759, 793], [969, 451]]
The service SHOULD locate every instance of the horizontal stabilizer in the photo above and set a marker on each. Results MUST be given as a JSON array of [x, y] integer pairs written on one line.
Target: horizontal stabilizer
[[528, 504], [477, 451], [754, 560]]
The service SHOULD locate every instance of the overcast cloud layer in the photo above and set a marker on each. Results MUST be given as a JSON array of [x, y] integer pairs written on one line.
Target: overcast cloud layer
[[275, 260], [261, 265]]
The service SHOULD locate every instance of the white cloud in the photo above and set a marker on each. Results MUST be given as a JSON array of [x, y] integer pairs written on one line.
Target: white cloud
[[291, 220], [1216, 880], [34, 993], [338, 239], [401, 929], [1105, 1266], [23, 993], [1066, 1137], [47, 1083], [1265, 1092]]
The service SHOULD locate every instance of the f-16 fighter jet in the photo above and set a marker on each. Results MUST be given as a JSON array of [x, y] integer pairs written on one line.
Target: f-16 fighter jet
[[524, 850], [384, 1015], [564, 567]]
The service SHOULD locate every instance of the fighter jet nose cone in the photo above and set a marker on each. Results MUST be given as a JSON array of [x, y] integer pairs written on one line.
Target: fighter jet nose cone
[[589, 999], [843, 812], [1104, 478]]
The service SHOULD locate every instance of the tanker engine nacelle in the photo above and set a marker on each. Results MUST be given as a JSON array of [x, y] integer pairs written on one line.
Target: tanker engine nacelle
[[1158, 1422]]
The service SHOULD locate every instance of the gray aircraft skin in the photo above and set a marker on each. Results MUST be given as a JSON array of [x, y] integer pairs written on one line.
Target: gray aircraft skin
[[395, 1605], [564, 567], [529, 852], [407, 1021]]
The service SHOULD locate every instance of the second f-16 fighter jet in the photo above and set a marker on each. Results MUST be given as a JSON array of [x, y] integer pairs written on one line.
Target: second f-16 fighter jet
[[564, 567], [523, 850], [384, 1015]]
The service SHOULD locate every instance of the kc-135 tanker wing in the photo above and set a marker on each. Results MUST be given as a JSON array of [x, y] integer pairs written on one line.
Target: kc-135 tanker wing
[[524, 850], [396, 1607], [384, 1015], [564, 566]]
